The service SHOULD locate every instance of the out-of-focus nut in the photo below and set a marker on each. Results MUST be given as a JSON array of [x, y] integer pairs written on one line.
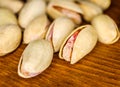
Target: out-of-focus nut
[[106, 28], [31, 10], [58, 8], [104, 4], [13, 5], [36, 29], [10, 38], [7, 17], [90, 10]]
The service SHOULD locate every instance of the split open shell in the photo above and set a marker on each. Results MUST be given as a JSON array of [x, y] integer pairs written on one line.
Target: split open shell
[[36, 29], [36, 57], [78, 44], [58, 8], [106, 28], [59, 30]]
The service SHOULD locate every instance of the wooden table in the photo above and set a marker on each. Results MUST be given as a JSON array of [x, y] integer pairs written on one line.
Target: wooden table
[[100, 68]]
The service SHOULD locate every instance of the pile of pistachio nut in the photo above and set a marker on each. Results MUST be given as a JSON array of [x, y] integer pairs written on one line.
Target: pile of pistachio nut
[[50, 26]]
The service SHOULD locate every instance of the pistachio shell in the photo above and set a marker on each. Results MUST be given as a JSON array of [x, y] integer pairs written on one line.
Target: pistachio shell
[[106, 28], [36, 57], [59, 30], [83, 44], [90, 10], [13, 5], [10, 38], [104, 4], [7, 17], [31, 10], [58, 8], [36, 29]]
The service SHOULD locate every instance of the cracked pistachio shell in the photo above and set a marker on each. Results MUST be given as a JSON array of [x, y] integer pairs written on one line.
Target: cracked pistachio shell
[[31, 10], [59, 30], [36, 57], [104, 4], [7, 17], [13, 5], [84, 43], [10, 38], [90, 10], [106, 28], [36, 29], [58, 8]]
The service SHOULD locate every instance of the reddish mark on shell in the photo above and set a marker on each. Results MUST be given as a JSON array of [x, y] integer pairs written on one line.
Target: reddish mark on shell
[[67, 50]]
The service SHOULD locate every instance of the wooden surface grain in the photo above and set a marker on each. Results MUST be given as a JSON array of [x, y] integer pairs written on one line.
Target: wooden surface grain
[[100, 68]]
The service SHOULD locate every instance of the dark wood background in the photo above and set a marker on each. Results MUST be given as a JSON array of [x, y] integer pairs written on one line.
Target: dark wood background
[[100, 68]]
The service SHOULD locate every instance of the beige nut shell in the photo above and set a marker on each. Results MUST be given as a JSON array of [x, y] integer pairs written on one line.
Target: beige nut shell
[[7, 17], [62, 27], [106, 28], [36, 57], [84, 43], [31, 10], [10, 38], [36, 29]]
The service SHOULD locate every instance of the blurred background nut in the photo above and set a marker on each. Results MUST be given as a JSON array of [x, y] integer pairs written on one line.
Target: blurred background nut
[[13, 5], [31, 10], [58, 8], [36, 29], [90, 9], [36, 57], [104, 4], [7, 17], [106, 28], [10, 38], [59, 30]]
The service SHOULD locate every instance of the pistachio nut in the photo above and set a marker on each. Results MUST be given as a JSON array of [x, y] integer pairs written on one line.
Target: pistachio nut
[[78, 44], [59, 30], [7, 17], [31, 10], [104, 4], [10, 38], [36, 29], [13, 5], [58, 0], [36, 57], [106, 28], [90, 10], [58, 8]]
